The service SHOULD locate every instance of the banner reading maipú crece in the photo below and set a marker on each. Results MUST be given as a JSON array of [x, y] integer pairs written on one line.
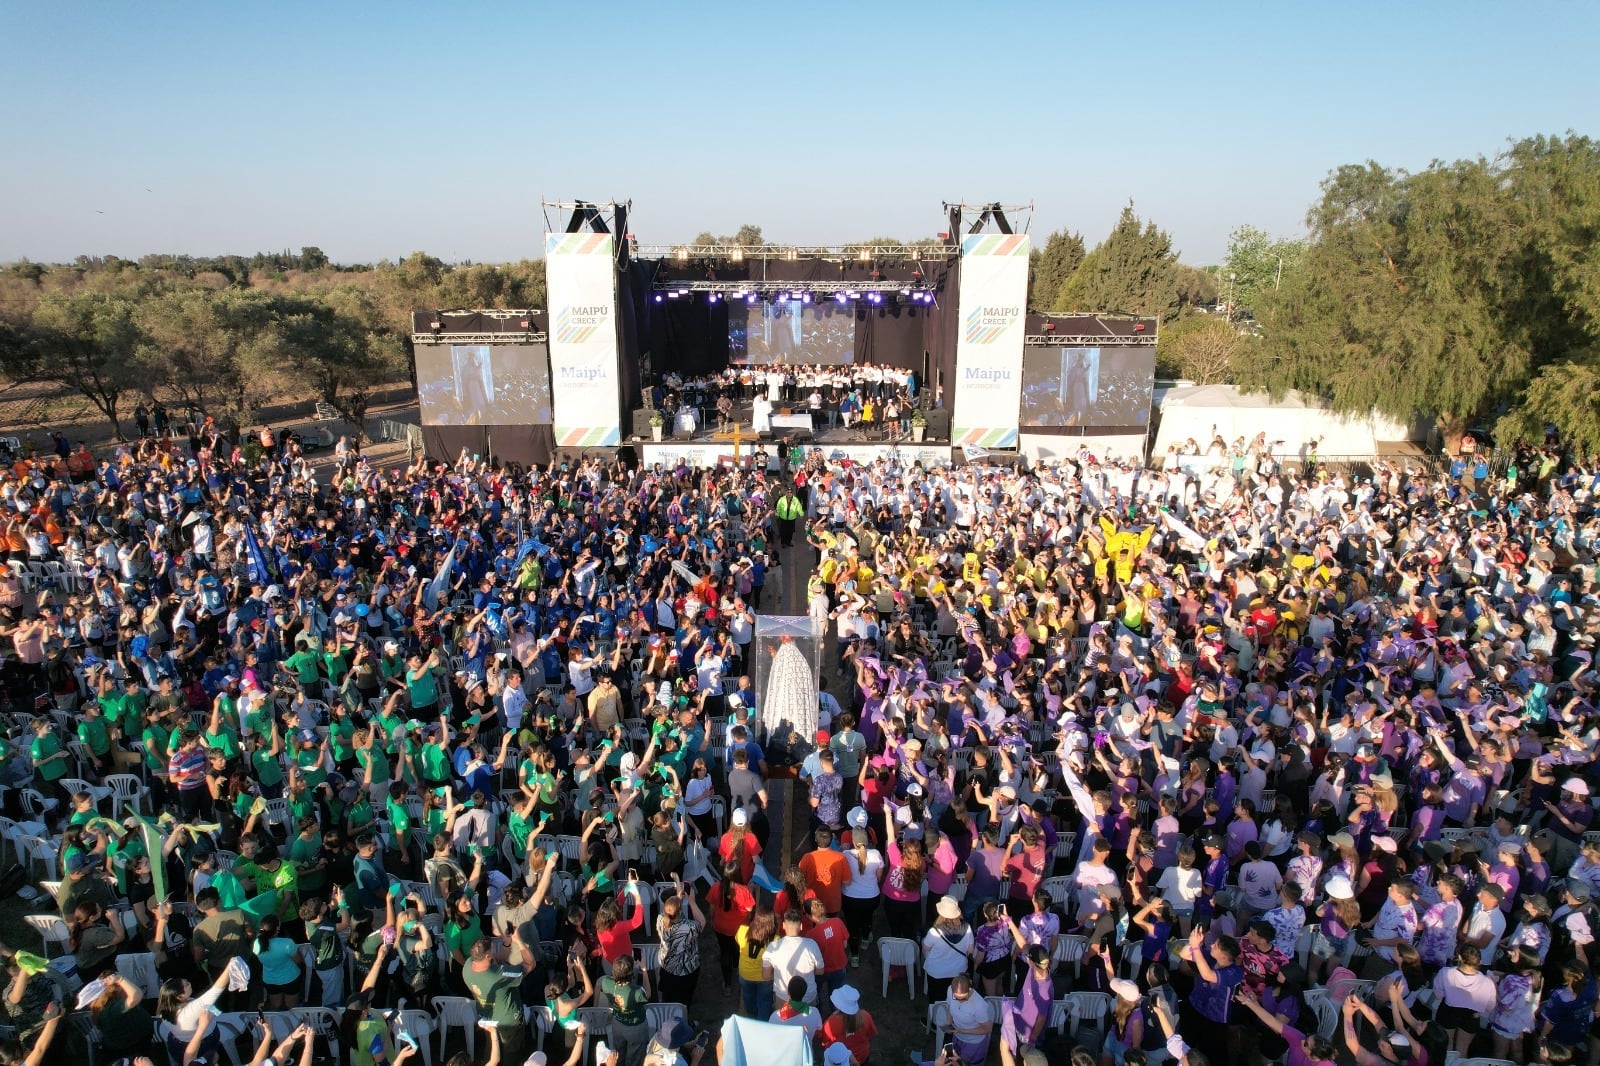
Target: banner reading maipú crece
[[993, 298], [581, 276]]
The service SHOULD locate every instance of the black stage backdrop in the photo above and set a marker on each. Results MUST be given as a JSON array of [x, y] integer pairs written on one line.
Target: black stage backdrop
[[527, 445], [689, 335]]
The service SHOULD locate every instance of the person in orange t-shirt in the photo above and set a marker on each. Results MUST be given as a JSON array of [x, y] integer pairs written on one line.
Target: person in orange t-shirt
[[826, 871]]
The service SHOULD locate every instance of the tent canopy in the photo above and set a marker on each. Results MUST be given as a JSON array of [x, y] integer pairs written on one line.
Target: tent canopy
[[1291, 424]]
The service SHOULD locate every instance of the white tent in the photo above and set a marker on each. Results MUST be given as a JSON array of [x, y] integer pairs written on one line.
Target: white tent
[[1291, 424]]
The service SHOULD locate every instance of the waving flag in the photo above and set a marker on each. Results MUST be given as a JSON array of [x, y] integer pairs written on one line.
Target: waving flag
[[441, 580], [256, 559]]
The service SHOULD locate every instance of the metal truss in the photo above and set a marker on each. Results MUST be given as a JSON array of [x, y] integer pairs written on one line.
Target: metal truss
[[1088, 340], [856, 253], [479, 338], [767, 288]]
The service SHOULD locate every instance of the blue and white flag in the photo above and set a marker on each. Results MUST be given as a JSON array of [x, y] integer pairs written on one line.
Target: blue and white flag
[[256, 559], [441, 580]]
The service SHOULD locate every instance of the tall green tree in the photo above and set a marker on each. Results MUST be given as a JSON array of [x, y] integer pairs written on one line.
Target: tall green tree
[[1449, 292], [89, 342], [1133, 271], [1255, 264], [1051, 265]]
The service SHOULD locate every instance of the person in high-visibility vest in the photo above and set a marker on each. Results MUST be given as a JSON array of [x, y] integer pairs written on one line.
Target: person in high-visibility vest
[[789, 510]]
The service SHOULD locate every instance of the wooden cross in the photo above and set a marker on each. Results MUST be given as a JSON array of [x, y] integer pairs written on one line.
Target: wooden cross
[[736, 435]]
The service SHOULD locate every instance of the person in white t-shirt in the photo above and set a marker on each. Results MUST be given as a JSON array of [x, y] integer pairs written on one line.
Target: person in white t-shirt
[[793, 955], [1486, 924]]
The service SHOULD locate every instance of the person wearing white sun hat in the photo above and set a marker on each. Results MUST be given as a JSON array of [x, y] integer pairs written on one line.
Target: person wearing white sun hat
[[946, 948], [1568, 820]]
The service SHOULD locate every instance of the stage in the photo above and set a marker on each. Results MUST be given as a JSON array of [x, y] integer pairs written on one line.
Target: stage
[[720, 452]]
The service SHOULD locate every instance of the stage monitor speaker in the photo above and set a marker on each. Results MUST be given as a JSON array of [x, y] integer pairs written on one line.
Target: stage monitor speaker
[[938, 424], [641, 422]]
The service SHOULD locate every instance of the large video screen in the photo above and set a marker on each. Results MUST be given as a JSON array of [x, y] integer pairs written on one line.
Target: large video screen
[[484, 384], [1087, 386], [789, 331]]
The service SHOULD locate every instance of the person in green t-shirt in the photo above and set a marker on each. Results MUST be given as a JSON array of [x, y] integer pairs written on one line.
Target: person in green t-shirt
[[497, 990], [156, 737], [266, 763], [436, 769], [341, 737], [373, 757], [95, 734], [50, 760], [422, 682], [220, 734], [305, 852], [304, 664], [400, 822]]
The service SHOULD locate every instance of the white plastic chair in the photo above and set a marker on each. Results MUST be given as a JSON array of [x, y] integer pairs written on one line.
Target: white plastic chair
[[659, 1014], [127, 791], [596, 1026], [419, 1023], [52, 930], [139, 969], [1091, 1007], [1327, 1014], [1070, 948], [324, 1022], [457, 1012], [898, 951]]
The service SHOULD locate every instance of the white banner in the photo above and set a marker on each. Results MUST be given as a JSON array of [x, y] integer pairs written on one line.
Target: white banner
[[992, 302], [721, 454], [584, 386]]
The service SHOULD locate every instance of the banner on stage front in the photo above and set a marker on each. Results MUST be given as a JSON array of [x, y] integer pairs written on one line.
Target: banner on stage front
[[584, 386], [992, 302]]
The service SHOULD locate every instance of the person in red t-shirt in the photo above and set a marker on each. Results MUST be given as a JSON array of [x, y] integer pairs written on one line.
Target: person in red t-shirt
[[851, 1026], [833, 940], [729, 904]]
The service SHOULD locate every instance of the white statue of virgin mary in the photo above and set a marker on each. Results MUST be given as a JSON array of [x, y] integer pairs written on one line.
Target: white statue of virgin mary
[[791, 702]]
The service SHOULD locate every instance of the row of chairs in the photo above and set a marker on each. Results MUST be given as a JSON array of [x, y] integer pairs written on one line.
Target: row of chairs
[[1067, 1015]]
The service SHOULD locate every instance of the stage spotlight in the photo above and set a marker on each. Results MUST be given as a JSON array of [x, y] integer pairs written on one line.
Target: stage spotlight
[[805, 297], [683, 292], [751, 298], [1138, 327], [905, 292], [683, 255], [714, 297], [864, 255], [876, 298], [853, 295], [658, 297], [841, 297]]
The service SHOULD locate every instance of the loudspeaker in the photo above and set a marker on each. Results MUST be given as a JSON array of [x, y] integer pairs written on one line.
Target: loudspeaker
[[938, 424], [641, 422]]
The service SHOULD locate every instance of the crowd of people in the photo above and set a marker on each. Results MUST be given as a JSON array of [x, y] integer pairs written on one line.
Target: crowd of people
[[1230, 761], [868, 398]]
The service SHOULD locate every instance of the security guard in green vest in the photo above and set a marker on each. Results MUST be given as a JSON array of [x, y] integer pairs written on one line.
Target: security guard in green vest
[[789, 510]]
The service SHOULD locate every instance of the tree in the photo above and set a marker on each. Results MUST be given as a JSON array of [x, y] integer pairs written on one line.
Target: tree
[[1564, 396], [1255, 264], [748, 236], [336, 348], [88, 342], [1200, 348], [1197, 286], [1049, 267], [203, 347], [1448, 292], [1133, 271]]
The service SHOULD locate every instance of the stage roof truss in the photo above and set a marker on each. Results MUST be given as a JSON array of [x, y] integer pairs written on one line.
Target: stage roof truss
[[1088, 340], [479, 338], [767, 288], [840, 253]]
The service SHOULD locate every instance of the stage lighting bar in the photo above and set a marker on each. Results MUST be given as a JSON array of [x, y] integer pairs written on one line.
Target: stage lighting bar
[[1087, 340], [838, 252], [795, 289]]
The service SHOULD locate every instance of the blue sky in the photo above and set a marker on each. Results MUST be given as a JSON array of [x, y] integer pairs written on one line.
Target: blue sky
[[372, 130]]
